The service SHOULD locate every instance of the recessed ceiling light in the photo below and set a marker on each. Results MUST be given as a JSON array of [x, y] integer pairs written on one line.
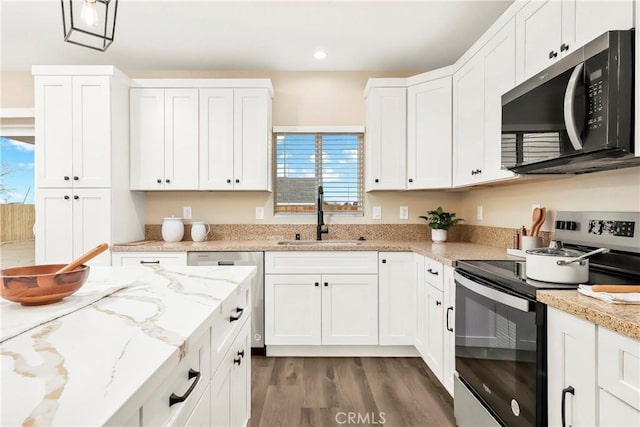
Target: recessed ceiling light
[[318, 54]]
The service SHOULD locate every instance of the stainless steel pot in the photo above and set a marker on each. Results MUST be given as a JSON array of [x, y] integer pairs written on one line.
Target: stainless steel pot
[[559, 265]]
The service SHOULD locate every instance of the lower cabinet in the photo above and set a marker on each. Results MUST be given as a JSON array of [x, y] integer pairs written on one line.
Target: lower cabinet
[[449, 345], [397, 273], [125, 259]]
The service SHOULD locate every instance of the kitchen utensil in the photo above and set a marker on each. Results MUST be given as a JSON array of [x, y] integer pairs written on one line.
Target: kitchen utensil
[[537, 222], [40, 284], [199, 231], [172, 229], [536, 215], [616, 288], [530, 242], [582, 257], [544, 264], [84, 258]]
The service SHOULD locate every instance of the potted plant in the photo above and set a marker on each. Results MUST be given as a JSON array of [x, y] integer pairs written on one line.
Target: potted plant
[[440, 221]]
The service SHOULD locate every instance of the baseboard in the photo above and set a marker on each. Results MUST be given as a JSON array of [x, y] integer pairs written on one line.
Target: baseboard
[[341, 351]]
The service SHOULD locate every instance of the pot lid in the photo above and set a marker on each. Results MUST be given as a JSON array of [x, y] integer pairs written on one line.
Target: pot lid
[[557, 252], [172, 218]]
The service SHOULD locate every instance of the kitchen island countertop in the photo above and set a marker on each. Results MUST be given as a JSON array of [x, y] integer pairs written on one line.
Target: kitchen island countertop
[[91, 365]]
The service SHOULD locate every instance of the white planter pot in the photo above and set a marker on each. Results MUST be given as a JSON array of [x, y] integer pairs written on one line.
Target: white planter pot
[[439, 235]]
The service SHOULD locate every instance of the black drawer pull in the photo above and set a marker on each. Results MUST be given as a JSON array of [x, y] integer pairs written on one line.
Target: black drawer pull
[[173, 399], [326, 283], [75, 178], [376, 180], [384, 261], [237, 316], [150, 262], [76, 197], [410, 179], [564, 395], [159, 181], [228, 181], [448, 328], [438, 302], [238, 361], [430, 271], [553, 54], [168, 181], [317, 284], [66, 178], [66, 197], [237, 181], [241, 353]]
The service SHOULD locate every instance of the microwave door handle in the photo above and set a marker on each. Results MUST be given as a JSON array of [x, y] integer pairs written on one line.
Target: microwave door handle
[[493, 294], [569, 104]]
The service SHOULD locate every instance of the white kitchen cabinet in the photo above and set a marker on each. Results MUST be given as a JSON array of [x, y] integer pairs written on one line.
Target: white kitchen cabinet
[[126, 259], [235, 139], [477, 90], [571, 359], [397, 289], [386, 138], [164, 139], [201, 414], [449, 344], [421, 306], [70, 222], [434, 339], [551, 29], [614, 412], [429, 134]]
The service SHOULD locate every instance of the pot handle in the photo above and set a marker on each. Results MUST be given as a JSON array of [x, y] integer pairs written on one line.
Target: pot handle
[[581, 257]]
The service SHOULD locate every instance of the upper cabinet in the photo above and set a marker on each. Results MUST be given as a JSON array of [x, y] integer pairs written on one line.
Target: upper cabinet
[[429, 134], [73, 131], [386, 138], [235, 139], [551, 29], [164, 139], [477, 90]]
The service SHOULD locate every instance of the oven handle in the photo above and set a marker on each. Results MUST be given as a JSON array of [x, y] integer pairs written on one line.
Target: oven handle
[[493, 294]]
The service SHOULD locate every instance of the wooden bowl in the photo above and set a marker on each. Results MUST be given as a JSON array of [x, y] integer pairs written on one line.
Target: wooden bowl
[[39, 284]]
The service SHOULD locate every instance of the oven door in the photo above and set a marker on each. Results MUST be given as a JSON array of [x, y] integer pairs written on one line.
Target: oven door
[[500, 354]]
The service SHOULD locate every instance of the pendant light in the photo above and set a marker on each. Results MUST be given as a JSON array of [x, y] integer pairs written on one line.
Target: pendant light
[[89, 23]]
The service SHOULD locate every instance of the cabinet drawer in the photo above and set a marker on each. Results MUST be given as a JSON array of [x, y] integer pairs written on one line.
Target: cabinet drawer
[[318, 262], [433, 273], [127, 259], [230, 316], [619, 366], [157, 409], [614, 412]]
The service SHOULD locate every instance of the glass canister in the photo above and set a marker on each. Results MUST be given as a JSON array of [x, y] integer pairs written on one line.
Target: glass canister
[[172, 229]]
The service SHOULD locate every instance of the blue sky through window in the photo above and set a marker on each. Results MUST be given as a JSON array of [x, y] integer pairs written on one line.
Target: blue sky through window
[[17, 158]]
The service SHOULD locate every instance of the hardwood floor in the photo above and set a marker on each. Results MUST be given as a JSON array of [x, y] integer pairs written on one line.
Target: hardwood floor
[[325, 391]]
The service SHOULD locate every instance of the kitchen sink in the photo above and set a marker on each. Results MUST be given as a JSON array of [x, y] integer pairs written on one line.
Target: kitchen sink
[[319, 243]]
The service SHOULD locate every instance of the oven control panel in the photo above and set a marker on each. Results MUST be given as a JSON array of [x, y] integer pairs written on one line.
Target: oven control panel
[[615, 230]]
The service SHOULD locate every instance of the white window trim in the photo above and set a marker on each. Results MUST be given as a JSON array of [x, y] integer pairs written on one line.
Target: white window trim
[[318, 129]]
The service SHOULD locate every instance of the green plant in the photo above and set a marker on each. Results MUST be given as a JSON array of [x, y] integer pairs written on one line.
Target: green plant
[[441, 220]]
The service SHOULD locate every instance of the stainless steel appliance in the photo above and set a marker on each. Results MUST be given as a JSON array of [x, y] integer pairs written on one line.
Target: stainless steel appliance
[[257, 285], [577, 115], [501, 341]]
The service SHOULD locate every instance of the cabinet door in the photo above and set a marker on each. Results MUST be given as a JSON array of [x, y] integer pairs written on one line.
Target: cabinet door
[[292, 309], [421, 307], [54, 136], [54, 226], [349, 309], [91, 132], [499, 77], [386, 139], [221, 393], [571, 358], [241, 378], [200, 416], [397, 314], [147, 139], [216, 139], [539, 34], [92, 223], [468, 122], [435, 336], [181, 139], [429, 135], [251, 139], [615, 412], [449, 349]]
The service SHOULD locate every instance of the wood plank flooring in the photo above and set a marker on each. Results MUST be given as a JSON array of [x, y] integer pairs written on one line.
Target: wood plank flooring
[[325, 391]]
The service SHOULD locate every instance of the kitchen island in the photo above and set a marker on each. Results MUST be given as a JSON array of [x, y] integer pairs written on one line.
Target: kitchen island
[[106, 362]]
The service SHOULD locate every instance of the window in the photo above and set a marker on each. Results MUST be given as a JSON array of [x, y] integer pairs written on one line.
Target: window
[[306, 160]]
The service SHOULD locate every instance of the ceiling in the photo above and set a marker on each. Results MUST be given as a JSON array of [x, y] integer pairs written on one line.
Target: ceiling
[[255, 35]]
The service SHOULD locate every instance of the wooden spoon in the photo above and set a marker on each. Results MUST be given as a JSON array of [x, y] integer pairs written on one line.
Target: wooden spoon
[[84, 258], [542, 220], [536, 216]]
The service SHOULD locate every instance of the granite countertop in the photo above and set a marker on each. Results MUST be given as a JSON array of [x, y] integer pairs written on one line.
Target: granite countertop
[[447, 253], [621, 318], [87, 366]]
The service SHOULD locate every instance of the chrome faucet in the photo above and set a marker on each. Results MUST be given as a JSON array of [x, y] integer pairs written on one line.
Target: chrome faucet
[[321, 228]]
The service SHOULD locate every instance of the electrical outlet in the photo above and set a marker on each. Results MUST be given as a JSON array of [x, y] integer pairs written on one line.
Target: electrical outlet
[[259, 212], [479, 213], [186, 212], [376, 212], [404, 212]]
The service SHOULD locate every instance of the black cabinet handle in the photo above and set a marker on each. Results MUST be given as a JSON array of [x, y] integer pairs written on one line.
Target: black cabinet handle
[[75, 178], [159, 181], [237, 360], [438, 302], [430, 271], [168, 181], [241, 353], [571, 390], [326, 283], [410, 179], [173, 399], [228, 181], [237, 316], [448, 328], [66, 197], [564, 47], [76, 197], [150, 262], [553, 54], [384, 261], [376, 180], [66, 178], [237, 181], [317, 284]]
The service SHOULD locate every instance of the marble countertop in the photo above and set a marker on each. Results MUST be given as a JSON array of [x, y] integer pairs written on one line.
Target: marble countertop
[[81, 369], [621, 318], [447, 253]]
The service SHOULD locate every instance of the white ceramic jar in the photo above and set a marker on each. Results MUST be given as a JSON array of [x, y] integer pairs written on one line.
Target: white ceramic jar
[[199, 231], [172, 229]]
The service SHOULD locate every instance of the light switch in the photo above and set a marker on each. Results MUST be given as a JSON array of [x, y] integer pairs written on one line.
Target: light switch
[[186, 212], [259, 212], [376, 212], [479, 213], [404, 212]]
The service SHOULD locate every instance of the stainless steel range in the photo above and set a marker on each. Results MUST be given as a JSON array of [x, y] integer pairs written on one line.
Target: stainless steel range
[[501, 335]]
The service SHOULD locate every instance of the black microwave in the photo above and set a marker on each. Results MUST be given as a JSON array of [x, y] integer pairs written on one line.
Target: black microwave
[[576, 116]]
